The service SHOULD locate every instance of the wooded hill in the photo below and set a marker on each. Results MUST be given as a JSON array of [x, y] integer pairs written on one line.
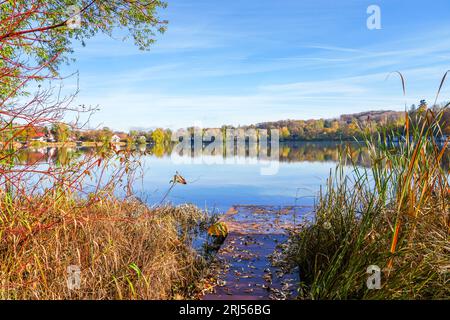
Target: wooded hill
[[350, 126]]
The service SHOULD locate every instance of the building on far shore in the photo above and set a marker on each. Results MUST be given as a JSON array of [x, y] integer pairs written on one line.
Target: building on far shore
[[115, 139], [39, 137], [119, 137]]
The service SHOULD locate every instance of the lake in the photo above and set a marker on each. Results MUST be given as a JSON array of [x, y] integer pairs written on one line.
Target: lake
[[217, 182]]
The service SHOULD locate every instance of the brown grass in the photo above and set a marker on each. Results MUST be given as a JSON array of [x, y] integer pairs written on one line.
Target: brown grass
[[124, 249]]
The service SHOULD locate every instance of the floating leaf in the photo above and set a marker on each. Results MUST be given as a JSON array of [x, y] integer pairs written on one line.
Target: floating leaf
[[219, 229]]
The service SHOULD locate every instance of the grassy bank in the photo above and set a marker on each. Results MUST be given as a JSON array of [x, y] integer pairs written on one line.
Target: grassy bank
[[394, 215], [124, 249]]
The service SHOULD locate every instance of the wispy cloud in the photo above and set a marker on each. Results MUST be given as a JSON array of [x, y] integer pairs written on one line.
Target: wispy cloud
[[256, 60]]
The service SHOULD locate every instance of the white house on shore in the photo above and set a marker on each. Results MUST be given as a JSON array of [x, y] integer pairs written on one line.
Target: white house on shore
[[115, 139]]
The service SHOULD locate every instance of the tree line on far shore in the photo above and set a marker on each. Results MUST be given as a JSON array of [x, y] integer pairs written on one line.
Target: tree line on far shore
[[351, 126], [346, 127]]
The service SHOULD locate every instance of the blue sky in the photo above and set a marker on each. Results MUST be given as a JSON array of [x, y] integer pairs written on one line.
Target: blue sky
[[248, 61]]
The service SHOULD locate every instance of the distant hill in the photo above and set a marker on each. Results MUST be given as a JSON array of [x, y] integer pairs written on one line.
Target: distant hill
[[377, 116], [347, 126]]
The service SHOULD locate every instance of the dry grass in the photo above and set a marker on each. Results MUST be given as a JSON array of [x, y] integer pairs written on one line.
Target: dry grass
[[124, 249]]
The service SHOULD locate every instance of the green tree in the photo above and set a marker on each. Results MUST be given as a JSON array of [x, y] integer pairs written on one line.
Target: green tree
[[167, 136], [61, 131], [40, 34], [141, 140]]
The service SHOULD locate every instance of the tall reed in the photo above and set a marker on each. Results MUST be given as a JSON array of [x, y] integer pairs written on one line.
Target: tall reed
[[394, 215]]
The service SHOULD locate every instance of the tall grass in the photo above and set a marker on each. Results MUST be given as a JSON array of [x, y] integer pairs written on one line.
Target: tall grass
[[124, 249], [394, 215]]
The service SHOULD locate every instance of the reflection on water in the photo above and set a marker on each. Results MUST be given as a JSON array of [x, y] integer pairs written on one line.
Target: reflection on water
[[58, 156], [288, 152], [303, 168]]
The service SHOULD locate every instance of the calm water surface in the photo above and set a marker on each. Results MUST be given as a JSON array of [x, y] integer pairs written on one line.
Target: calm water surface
[[302, 169]]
